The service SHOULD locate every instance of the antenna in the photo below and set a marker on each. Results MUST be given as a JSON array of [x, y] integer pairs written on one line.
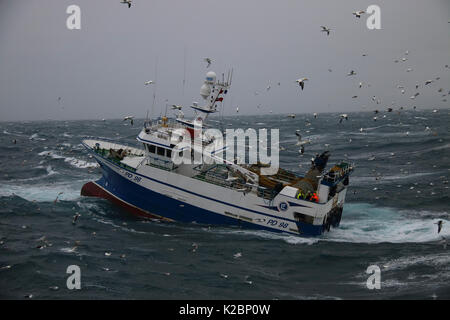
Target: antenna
[[184, 68], [156, 83]]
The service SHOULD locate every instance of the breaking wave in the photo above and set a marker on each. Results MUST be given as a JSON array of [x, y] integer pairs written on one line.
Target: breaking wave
[[365, 223]]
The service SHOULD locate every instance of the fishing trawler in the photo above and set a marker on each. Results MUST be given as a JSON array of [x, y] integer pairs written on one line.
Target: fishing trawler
[[152, 182]]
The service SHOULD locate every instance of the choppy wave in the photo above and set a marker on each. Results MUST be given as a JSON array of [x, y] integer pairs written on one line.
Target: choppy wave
[[365, 223], [43, 193]]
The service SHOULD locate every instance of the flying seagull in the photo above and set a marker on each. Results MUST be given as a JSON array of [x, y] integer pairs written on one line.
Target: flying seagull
[[439, 224], [301, 142], [358, 14], [428, 82], [325, 29], [351, 73], [301, 82], [176, 107], [343, 116], [126, 2], [129, 118], [75, 218], [208, 61], [149, 82]]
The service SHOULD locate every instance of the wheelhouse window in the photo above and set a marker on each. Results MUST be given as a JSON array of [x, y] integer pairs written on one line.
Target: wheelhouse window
[[168, 153], [151, 148], [160, 151]]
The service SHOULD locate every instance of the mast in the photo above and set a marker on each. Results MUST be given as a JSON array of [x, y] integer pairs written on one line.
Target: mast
[[211, 91]]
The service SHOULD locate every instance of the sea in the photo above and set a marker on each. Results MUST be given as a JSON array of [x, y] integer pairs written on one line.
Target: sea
[[397, 194]]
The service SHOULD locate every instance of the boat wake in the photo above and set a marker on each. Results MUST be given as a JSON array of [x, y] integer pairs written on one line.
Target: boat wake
[[365, 223]]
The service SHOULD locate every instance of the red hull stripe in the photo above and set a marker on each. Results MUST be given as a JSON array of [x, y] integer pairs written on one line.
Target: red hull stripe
[[92, 189]]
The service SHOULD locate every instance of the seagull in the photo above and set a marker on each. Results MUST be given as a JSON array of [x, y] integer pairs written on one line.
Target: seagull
[[358, 14], [126, 2], [208, 61], [268, 88], [237, 255], [300, 142], [414, 96], [325, 29], [439, 224], [75, 218], [360, 84], [351, 73], [428, 82], [291, 115], [343, 116], [149, 82], [301, 82], [176, 107], [315, 115], [56, 200], [237, 109], [129, 118]]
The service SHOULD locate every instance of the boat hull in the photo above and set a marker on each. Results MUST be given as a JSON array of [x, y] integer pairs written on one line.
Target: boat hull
[[145, 203]]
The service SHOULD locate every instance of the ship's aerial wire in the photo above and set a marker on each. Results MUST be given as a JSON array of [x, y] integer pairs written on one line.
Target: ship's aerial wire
[[156, 83], [184, 69]]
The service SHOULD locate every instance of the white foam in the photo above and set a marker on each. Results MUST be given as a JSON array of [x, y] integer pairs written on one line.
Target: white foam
[[434, 260], [43, 193], [365, 223], [291, 239], [80, 163], [50, 171], [51, 154], [36, 137]]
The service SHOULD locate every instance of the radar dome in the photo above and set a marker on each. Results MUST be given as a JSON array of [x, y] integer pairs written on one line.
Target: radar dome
[[205, 90], [211, 77]]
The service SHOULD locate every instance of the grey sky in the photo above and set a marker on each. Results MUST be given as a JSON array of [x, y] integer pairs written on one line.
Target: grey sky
[[100, 70]]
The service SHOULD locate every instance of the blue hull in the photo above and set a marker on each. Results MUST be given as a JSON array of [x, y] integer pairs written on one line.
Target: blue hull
[[160, 205]]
